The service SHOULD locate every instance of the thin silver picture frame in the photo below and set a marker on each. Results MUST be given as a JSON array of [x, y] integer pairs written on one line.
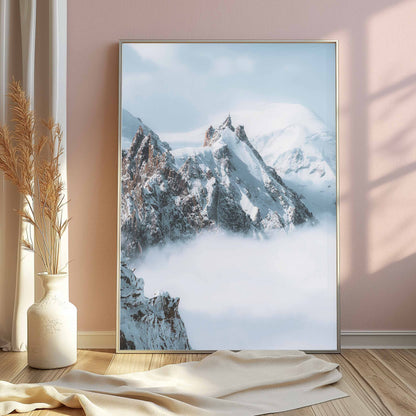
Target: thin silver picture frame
[[202, 41]]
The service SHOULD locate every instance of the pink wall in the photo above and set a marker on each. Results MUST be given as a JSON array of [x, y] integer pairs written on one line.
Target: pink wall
[[377, 84]]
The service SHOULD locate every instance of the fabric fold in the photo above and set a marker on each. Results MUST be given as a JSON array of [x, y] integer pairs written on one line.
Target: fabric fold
[[224, 383]]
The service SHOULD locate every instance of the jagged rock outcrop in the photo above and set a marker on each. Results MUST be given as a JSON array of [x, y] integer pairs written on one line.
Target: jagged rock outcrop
[[156, 204], [173, 195], [148, 323]]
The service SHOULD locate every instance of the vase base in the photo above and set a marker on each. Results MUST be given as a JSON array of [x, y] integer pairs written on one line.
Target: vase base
[[39, 366]]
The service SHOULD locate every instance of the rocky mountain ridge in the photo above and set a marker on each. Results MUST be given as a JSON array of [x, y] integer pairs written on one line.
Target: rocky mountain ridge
[[170, 195], [291, 139], [148, 323]]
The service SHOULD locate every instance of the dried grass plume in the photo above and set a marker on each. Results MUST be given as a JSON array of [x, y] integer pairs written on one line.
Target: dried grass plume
[[31, 162]]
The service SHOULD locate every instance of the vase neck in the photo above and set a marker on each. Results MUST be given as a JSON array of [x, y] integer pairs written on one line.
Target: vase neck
[[55, 285]]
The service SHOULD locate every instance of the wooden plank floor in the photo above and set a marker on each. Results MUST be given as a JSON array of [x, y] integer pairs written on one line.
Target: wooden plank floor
[[379, 382]]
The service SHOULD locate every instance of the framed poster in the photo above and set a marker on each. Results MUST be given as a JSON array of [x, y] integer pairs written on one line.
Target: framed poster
[[228, 215]]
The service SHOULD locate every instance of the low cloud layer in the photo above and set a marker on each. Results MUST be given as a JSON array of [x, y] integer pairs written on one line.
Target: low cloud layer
[[289, 278]]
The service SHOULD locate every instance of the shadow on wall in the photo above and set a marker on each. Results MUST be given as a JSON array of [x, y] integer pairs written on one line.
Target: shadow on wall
[[385, 287], [382, 134]]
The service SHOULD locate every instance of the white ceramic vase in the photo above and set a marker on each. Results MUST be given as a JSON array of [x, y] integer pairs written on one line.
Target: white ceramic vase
[[52, 326]]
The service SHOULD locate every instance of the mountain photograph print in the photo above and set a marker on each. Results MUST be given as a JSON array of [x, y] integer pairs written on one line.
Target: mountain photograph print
[[227, 196]]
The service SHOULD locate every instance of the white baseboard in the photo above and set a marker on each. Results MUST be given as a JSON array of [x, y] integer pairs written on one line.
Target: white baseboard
[[378, 339], [349, 339], [97, 339]]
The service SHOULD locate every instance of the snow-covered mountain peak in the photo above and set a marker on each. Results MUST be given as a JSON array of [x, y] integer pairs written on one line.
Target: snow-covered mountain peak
[[146, 151], [234, 139], [298, 145], [130, 126], [209, 136], [174, 194], [228, 163], [287, 137], [263, 119], [227, 124], [259, 120], [213, 135]]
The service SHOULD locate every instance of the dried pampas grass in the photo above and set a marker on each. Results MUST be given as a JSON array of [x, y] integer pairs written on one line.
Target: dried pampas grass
[[31, 163]]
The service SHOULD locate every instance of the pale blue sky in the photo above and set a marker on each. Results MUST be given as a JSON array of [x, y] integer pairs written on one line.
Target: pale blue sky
[[180, 87]]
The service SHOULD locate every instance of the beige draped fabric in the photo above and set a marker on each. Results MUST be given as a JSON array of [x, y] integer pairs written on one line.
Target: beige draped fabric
[[225, 383], [32, 50]]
